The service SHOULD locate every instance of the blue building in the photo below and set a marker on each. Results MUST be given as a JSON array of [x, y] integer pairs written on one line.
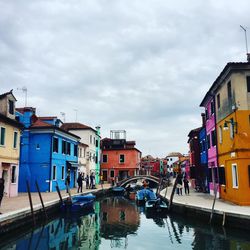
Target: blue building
[[204, 158], [48, 153]]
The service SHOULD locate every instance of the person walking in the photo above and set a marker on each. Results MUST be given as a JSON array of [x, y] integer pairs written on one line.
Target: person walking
[[79, 182], [67, 183], [1, 189], [186, 185], [87, 181], [179, 184], [92, 179]]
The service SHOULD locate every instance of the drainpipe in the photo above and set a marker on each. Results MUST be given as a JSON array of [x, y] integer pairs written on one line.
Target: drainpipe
[[50, 163]]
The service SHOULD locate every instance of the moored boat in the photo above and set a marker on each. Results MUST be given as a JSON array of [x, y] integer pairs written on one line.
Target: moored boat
[[144, 195], [157, 205], [118, 190]]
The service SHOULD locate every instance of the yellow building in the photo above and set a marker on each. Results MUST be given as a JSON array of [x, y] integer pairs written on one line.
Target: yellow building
[[9, 144], [232, 96]]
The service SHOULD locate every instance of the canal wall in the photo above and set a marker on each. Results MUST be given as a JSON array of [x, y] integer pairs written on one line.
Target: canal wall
[[23, 219], [228, 218]]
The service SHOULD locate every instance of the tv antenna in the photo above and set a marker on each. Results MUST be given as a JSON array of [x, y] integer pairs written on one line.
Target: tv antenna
[[25, 90], [76, 113], [63, 115], [245, 31]]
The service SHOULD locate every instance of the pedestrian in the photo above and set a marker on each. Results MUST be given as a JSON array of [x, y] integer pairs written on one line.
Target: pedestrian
[[67, 183], [1, 189], [179, 184], [92, 179], [79, 182], [186, 185], [87, 181]]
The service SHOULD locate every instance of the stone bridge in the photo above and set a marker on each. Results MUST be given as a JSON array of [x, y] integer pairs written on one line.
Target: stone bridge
[[164, 182]]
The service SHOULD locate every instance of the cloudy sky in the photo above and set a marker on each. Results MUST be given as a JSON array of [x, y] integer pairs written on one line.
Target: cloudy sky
[[142, 66]]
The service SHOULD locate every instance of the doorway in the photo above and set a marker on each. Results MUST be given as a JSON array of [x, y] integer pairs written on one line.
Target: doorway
[[6, 182]]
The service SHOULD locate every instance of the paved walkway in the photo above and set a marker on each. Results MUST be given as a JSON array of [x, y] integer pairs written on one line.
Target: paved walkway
[[205, 202], [21, 202]]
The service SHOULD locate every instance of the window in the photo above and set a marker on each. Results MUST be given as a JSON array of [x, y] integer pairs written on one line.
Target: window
[[104, 158], [11, 107], [13, 174], [68, 148], [220, 134], [206, 114], [121, 158], [2, 136], [248, 84], [112, 173], [64, 147], [55, 145], [229, 91], [75, 150], [208, 141], [235, 176], [90, 139], [222, 179], [63, 172], [96, 143], [54, 173], [218, 101], [213, 134], [15, 139], [249, 175], [212, 107], [231, 127]]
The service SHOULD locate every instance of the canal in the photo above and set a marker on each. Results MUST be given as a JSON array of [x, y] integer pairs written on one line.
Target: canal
[[117, 223]]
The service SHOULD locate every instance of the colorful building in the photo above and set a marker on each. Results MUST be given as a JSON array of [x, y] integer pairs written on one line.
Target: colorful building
[[208, 103], [10, 131], [120, 158], [91, 138], [231, 90], [48, 153], [194, 153]]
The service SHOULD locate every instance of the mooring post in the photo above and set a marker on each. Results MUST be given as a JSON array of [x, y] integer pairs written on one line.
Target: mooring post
[[41, 199], [224, 219], [212, 211], [172, 194], [59, 193], [30, 200]]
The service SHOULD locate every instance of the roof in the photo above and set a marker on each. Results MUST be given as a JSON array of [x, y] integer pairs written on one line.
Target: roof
[[22, 110], [47, 117], [229, 68], [11, 121], [40, 123], [172, 154], [7, 93], [194, 131], [75, 126]]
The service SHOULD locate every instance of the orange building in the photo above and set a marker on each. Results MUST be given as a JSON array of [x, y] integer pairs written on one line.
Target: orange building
[[232, 96], [120, 158]]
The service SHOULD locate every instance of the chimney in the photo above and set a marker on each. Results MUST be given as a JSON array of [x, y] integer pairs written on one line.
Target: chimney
[[203, 117]]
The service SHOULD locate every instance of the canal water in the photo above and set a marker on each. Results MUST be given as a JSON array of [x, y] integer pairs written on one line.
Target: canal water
[[117, 223]]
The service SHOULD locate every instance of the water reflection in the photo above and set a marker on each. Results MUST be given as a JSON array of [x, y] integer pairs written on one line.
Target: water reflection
[[117, 223]]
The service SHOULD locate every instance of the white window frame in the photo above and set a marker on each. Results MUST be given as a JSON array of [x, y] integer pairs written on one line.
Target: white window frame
[[220, 135], [120, 158], [231, 128], [2, 145], [54, 173], [15, 133], [235, 176], [63, 173]]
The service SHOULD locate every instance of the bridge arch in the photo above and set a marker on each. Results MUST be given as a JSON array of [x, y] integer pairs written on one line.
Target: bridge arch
[[152, 178]]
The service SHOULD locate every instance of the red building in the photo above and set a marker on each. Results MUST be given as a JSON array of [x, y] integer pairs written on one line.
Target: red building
[[120, 158]]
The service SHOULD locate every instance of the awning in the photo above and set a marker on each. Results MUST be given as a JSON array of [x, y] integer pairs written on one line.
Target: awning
[[72, 164]]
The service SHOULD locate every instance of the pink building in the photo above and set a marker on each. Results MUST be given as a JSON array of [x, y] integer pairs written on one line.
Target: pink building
[[210, 122]]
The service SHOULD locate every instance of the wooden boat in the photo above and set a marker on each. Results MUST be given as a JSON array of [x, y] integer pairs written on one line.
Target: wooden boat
[[144, 195], [118, 190], [78, 203], [157, 205]]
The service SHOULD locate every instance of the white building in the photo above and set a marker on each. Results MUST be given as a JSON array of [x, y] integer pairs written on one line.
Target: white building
[[89, 148], [171, 159]]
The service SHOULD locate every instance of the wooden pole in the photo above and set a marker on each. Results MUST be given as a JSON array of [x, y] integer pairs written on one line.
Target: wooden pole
[[224, 219], [172, 194], [30, 200], [41, 199], [59, 194], [212, 211]]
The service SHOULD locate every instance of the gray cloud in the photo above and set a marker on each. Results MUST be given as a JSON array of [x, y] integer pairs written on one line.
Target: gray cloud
[[142, 66]]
